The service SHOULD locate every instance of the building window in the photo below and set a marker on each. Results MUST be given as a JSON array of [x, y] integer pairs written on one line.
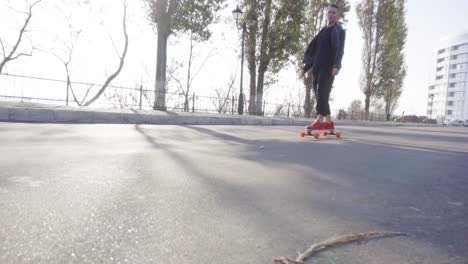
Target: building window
[[441, 51], [450, 103], [451, 94], [449, 112], [460, 47], [431, 87], [460, 75], [459, 66], [440, 69], [457, 85], [440, 77], [461, 56], [440, 60]]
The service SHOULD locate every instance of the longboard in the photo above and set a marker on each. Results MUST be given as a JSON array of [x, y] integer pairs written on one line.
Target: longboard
[[316, 134]]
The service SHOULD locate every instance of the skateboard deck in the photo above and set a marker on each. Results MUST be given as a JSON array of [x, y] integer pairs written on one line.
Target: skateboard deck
[[317, 133]]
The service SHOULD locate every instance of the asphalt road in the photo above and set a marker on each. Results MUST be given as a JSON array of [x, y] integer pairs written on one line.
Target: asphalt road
[[175, 194]]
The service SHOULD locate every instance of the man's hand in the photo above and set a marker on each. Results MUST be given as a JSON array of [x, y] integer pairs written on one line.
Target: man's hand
[[335, 71]]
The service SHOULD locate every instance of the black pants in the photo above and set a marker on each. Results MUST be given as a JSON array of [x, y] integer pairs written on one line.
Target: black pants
[[323, 82]]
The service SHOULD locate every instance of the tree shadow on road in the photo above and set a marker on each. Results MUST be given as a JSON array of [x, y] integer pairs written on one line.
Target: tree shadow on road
[[391, 188], [404, 185], [420, 135]]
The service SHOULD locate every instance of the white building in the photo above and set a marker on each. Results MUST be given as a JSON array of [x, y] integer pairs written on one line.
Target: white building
[[448, 92]]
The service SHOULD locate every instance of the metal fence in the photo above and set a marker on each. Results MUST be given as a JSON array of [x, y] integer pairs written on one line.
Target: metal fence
[[361, 115], [31, 89]]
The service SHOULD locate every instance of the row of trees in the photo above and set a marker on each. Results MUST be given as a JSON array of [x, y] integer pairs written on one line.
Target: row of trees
[[277, 33], [384, 32]]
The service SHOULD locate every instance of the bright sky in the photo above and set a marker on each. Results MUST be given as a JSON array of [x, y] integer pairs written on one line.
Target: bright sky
[[100, 21]]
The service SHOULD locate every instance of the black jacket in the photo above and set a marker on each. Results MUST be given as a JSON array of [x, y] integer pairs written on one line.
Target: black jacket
[[336, 44]]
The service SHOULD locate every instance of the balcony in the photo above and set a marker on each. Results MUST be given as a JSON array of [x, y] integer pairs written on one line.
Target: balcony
[[441, 63], [458, 61], [458, 52], [457, 79], [441, 82], [458, 70]]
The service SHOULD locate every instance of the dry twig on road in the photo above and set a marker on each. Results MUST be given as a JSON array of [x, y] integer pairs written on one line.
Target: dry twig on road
[[333, 242]]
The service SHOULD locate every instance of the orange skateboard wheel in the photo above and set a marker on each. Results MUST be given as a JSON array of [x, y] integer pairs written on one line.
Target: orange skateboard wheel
[[338, 134], [316, 135], [302, 134], [325, 133]]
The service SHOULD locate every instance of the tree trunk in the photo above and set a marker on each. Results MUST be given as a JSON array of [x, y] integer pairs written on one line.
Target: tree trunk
[[186, 103], [189, 75], [251, 55], [307, 106], [259, 96], [388, 106], [252, 71], [308, 102], [161, 63], [264, 58], [367, 105], [253, 92]]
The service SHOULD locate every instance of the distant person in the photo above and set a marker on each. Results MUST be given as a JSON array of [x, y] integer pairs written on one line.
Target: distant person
[[324, 55]]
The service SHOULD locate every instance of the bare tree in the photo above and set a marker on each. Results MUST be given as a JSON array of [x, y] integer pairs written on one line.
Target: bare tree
[[67, 59], [223, 96], [355, 105], [185, 87], [172, 78], [279, 111], [121, 99], [377, 106], [121, 60], [355, 109], [295, 100], [13, 54]]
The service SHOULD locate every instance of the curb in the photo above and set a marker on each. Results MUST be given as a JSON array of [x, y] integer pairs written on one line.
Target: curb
[[86, 116], [43, 115]]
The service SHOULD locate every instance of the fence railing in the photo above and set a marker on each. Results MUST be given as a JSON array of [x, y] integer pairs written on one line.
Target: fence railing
[[24, 88]]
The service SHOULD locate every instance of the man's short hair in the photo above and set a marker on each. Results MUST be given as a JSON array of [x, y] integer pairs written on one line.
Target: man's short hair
[[335, 6]]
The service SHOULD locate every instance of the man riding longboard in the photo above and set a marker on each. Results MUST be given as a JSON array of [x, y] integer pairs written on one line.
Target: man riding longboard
[[324, 55]]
